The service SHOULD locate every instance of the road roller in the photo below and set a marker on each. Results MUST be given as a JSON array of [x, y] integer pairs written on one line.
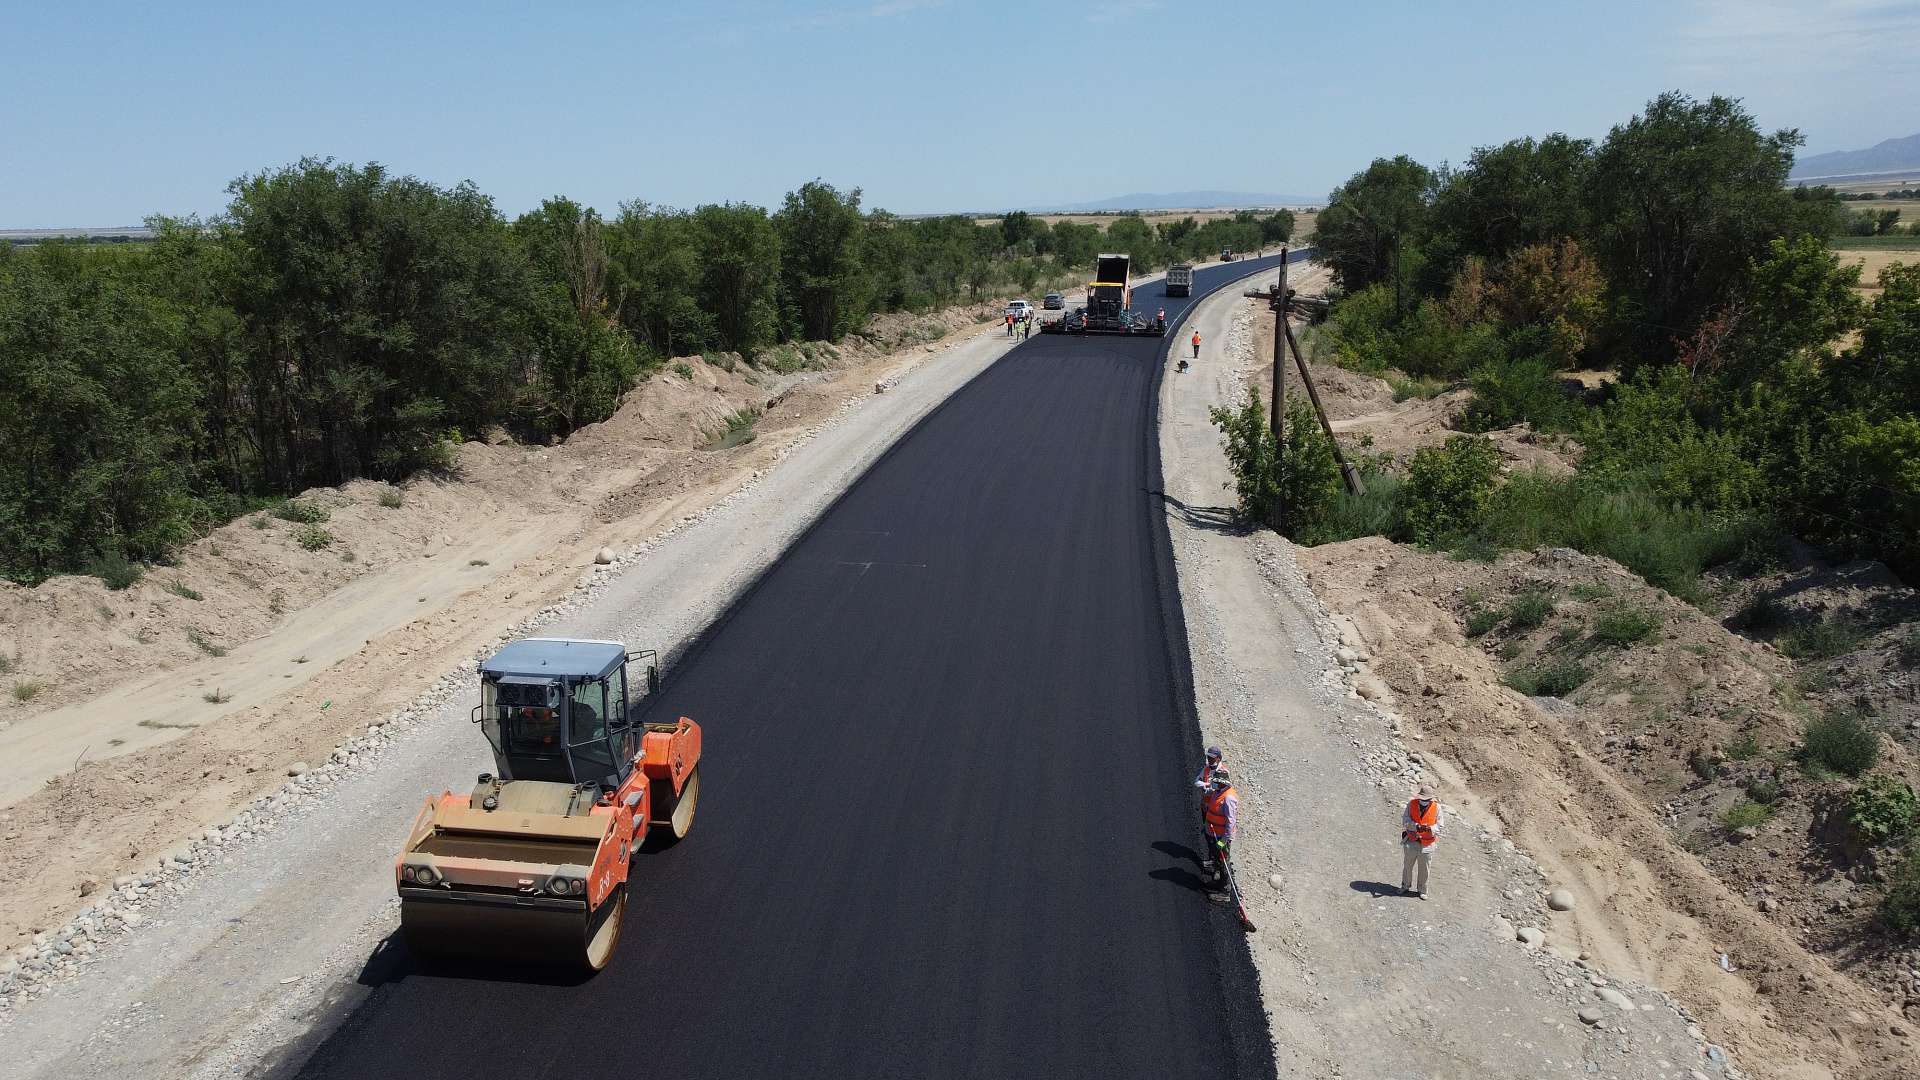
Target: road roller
[[532, 865]]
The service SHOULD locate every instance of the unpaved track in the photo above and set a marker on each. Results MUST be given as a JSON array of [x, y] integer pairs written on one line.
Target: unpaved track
[[1360, 981]]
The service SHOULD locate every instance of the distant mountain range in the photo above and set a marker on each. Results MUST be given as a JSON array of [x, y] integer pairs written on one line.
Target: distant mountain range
[[1175, 200], [1894, 155]]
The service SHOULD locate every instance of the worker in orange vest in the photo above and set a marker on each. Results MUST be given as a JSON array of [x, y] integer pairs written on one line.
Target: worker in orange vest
[[1220, 816], [1196, 344], [1420, 829]]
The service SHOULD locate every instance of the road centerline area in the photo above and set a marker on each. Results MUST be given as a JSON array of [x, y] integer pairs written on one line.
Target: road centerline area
[[943, 818]]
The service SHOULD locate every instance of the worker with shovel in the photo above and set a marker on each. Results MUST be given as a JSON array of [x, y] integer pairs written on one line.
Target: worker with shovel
[[1419, 830]]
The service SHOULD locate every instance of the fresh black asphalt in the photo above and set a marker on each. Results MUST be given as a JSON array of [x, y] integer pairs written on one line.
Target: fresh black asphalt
[[946, 826]]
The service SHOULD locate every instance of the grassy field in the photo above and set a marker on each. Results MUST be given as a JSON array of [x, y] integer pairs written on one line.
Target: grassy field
[[1871, 259], [1875, 243]]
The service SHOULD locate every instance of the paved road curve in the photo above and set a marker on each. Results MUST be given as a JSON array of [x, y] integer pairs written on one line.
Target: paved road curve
[[943, 829]]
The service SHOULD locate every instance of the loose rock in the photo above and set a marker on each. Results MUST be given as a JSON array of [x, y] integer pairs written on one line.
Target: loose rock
[[1531, 936], [1560, 900]]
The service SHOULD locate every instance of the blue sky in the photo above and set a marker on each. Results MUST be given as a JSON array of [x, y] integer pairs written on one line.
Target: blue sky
[[110, 111]]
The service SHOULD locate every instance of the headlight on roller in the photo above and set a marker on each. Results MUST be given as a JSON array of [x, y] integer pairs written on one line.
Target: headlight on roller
[[423, 875], [406, 873]]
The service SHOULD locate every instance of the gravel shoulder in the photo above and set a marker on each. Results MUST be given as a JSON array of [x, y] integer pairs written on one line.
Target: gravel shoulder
[[1358, 980], [229, 950]]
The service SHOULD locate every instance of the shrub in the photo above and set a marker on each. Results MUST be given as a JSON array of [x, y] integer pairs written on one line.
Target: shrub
[[1761, 614], [259, 521], [1900, 909], [277, 601], [1414, 386], [1556, 678], [1704, 765], [1481, 620], [1378, 510], [1744, 748], [301, 513], [1842, 741], [1625, 626], [1530, 610], [27, 689], [392, 498], [8, 663], [1449, 488], [1569, 633], [117, 571], [199, 641], [1511, 390], [1309, 485], [312, 537], [1829, 637], [683, 370], [1745, 814], [180, 588], [1882, 809], [216, 696], [1588, 590], [1909, 648], [1764, 791]]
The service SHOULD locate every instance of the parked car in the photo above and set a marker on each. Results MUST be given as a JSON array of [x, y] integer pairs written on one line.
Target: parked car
[[1053, 301], [1020, 309]]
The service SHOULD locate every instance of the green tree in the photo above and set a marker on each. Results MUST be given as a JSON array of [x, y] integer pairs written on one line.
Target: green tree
[[1374, 226], [821, 275], [1507, 197], [654, 277], [1683, 198], [739, 253], [99, 415], [582, 359]]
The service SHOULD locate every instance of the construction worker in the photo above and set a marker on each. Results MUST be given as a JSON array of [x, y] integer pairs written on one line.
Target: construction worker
[[1161, 318], [1220, 815], [1196, 344], [1206, 771], [1009, 323], [1420, 829]]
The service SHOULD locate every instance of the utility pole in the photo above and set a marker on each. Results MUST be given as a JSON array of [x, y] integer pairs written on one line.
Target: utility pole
[[1279, 395]]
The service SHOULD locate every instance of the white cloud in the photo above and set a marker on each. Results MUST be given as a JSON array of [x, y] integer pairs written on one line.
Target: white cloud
[[1789, 38]]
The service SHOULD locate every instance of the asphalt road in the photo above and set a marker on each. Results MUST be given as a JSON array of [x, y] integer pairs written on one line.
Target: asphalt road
[[945, 826]]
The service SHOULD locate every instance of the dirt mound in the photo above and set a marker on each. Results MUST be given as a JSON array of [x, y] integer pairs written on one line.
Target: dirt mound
[[1623, 784]]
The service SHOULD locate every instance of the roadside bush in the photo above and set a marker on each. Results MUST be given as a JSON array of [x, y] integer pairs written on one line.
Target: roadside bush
[[312, 537], [1414, 386], [1763, 613], [116, 571], [1745, 814], [1746, 748], [1449, 488], [1555, 678], [392, 498], [1377, 511], [1623, 627], [683, 370], [1842, 741], [1829, 637], [1704, 765], [1309, 487], [1513, 389], [301, 513], [1882, 808], [1481, 620], [1900, 909], [1766, 792], [1530, 610]]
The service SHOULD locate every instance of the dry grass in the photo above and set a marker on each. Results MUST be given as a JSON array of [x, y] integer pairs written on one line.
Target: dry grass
[[1872, 261]]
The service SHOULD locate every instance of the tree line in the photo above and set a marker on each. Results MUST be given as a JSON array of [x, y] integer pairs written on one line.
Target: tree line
[[1757, 393], [340, 321]]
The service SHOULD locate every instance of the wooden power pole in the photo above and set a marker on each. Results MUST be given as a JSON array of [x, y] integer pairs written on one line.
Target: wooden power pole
[[1279, 395]]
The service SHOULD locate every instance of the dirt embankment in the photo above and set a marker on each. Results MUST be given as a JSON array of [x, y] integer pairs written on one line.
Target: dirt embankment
[[159, 708], [1623, 784]]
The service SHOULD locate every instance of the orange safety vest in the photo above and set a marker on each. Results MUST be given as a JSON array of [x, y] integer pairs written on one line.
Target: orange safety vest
[[1215, 807], [1196, 338], [1423, 823]]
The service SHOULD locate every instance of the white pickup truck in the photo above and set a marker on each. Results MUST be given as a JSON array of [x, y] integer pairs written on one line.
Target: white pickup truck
[[1020, 309]]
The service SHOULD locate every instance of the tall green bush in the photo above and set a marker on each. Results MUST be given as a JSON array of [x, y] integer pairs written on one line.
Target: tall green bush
[[1449, 488]]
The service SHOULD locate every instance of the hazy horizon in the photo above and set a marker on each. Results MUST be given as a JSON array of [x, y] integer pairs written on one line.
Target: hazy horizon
[[928, 106]]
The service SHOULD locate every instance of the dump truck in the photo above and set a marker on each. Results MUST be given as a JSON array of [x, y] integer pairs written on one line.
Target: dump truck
[[532, 865], [1109, 306], [1180, 279]]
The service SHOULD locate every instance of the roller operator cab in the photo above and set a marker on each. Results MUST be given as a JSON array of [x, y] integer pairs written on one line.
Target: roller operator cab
[[533, 863]]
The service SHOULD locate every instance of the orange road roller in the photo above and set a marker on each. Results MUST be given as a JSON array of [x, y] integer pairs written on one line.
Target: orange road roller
[[533, 864]]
